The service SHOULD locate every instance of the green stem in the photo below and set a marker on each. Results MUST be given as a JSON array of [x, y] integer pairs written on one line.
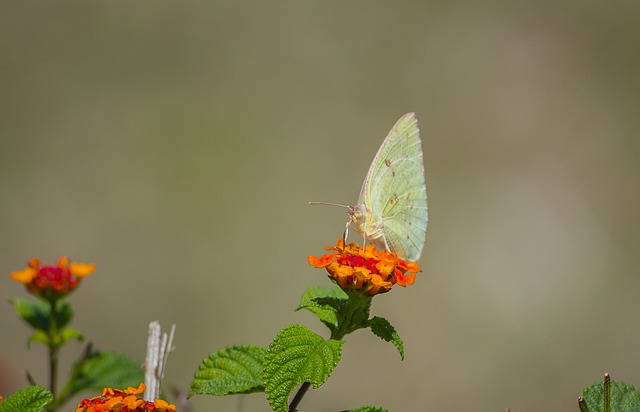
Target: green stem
[[296, 399], [53, 351], [582, 404], [607, 392], [352, 316]]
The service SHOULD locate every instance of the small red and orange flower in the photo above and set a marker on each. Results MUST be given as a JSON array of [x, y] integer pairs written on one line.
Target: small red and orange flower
[[369, 271], [127, 400], [52, 282]]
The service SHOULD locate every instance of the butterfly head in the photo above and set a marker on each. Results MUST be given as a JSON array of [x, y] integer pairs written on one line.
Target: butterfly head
[[356, 214]]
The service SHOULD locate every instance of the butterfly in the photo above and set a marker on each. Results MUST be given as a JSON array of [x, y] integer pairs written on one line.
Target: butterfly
[[391, 212]]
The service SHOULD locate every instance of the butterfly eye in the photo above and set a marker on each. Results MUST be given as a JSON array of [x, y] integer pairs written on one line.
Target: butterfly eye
[[355, 213]]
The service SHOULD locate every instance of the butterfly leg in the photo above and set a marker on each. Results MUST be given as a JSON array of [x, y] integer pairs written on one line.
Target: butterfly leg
[[345, 234]]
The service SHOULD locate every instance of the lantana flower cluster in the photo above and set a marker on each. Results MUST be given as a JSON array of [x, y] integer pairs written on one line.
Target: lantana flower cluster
[[52, 282], [127, 400], [368, 271]]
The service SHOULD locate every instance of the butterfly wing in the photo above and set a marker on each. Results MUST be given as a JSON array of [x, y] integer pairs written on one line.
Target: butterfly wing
[[394, 192]]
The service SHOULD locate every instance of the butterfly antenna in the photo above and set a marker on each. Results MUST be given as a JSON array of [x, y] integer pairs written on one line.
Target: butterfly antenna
[[328, 204], [345, 234]]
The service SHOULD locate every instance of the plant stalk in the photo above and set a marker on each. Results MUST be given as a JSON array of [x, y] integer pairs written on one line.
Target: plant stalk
[[299, 395], [53, 352]]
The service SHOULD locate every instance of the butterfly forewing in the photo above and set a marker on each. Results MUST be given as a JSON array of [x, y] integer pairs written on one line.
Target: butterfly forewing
[[394, 191]]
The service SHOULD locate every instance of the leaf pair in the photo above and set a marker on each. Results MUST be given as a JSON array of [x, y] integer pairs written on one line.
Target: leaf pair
[[295, 356], [37, 313], [344, 313]]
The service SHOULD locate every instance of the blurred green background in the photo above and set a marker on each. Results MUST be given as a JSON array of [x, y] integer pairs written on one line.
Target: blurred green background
[[175, 145]]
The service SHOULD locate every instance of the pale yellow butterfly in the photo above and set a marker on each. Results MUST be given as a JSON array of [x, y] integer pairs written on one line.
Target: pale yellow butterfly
[[391, 212]]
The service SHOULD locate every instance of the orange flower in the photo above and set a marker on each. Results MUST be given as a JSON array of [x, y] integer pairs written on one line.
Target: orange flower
[[116, 400], [162, 405], [369, 271], [52, 282]]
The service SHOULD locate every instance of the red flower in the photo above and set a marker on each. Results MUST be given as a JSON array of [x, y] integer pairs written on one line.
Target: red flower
[[52, 282], [369, 271]]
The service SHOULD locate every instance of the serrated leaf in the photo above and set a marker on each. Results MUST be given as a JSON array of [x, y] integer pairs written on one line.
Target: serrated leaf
[[368, 408], [37, 313], [385, 331], [31, 399], [323, 302], [624, 397], [236, 369], [103, 370], [315, 292], [297, 355]]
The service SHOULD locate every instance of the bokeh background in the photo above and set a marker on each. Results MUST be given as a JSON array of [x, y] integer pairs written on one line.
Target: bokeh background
[[175, 145]]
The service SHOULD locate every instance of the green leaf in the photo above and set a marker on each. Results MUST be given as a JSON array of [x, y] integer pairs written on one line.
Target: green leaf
[[37, 313], [368, 408], [297, 355], [624, 397], [31, 399], [64, 336], [68, 334], [101, 370], [39, 336], [236, 369], [383, 329], [324, 302], [64, 313]]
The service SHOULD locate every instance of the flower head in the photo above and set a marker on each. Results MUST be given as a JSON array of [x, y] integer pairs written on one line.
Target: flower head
[[52, 282], [116, 400], [369, 271]]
